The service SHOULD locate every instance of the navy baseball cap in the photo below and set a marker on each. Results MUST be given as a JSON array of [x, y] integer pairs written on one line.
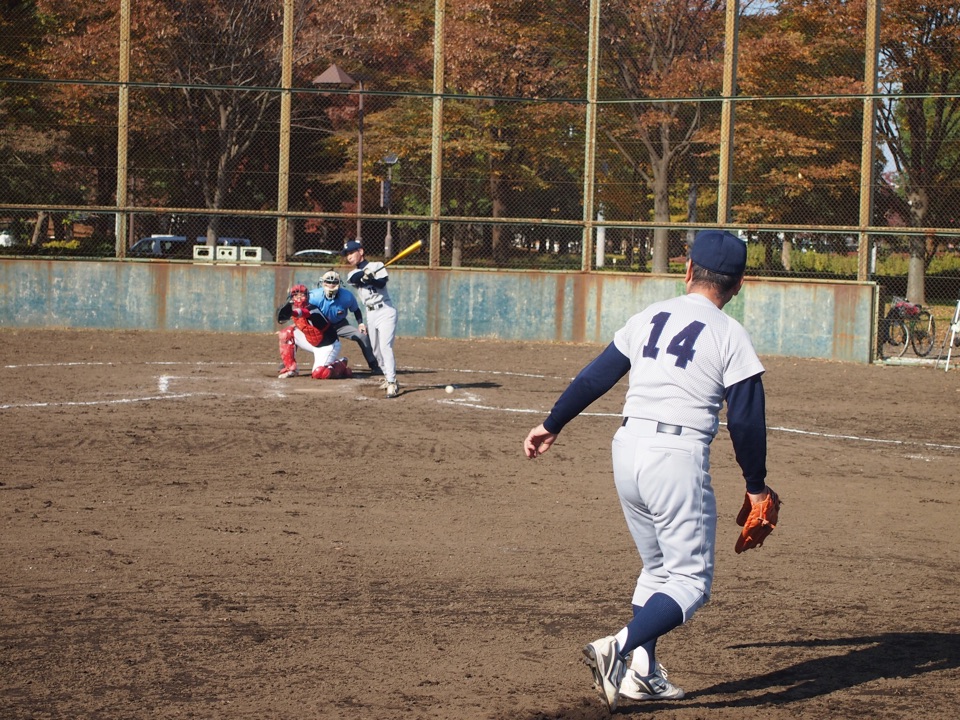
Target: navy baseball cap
[[350, 247], [719, 251]]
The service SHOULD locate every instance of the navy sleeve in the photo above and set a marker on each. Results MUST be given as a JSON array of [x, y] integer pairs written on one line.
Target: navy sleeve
[[377, 283], [603, 372], [354, 278], [746, 421]]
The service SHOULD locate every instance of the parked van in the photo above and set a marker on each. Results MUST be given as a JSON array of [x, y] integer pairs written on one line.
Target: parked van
[[162, 246]]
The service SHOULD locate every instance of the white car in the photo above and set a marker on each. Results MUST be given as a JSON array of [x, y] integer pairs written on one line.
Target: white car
[[7, 239], [315, 255]]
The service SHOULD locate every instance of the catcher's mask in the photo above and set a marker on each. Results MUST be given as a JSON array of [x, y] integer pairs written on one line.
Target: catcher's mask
[[331, 284], [299, 289]]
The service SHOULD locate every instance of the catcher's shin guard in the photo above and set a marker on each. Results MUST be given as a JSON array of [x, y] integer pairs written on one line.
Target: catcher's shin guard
[[321, 373], [288, 351]]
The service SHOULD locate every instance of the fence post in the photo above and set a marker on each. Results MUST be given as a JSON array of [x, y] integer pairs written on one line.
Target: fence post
[[283, 175], [123, 103], [868, 139], [590, 133], [728, 110], [436, 146]]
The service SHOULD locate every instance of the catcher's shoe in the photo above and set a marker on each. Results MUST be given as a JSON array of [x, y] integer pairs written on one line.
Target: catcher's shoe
[[603, 659], [288, 374], [654, 687]]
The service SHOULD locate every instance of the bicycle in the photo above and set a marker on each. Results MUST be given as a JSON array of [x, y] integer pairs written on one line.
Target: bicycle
[[906, 324]]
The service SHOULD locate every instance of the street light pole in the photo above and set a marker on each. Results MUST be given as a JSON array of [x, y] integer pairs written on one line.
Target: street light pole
[[390, 160], [334, 76]]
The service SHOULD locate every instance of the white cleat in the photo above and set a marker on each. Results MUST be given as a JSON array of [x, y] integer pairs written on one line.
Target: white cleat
[[654, 687], [608, 669]]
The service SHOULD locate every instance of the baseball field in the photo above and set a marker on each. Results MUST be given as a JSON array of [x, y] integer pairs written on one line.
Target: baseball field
[[185, 536]]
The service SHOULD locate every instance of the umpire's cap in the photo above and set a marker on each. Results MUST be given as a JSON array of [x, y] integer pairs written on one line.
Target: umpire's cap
[[350, 247], [720, 251]]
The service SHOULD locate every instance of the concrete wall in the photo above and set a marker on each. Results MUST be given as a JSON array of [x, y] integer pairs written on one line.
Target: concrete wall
[[833, 321]]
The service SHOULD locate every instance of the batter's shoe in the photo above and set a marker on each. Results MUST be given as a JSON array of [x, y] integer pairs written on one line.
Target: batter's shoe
[[654, 687], [287, 374], [603, 659], [393, 389]]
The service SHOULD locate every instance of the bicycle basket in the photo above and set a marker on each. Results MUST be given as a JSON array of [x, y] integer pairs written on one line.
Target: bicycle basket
[[901, 307]]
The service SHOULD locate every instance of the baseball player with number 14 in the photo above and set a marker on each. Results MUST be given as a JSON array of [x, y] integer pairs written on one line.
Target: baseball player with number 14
[[685, 357]]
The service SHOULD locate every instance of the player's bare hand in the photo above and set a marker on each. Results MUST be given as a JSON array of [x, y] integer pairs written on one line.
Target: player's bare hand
[[538, 441], [761, 496]]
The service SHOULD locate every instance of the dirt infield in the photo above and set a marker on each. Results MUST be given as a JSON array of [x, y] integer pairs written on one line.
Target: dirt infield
[[185, 536]]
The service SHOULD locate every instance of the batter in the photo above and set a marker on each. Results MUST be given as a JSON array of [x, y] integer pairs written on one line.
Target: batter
[[684, 357], [370, 280]]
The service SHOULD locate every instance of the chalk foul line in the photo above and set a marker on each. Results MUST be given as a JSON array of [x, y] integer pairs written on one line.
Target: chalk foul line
[[776, 428]]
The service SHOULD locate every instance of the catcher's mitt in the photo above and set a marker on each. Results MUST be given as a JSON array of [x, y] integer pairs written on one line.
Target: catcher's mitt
[[758, 520]]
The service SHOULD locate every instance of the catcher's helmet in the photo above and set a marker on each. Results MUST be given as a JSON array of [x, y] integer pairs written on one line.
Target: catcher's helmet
[[299, 288], [331, 283]]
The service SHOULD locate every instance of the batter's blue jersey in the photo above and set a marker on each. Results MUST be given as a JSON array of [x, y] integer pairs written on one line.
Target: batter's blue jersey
[[337, 308]]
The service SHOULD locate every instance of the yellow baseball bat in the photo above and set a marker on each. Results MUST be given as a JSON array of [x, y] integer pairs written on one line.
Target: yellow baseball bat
[[403, 253]]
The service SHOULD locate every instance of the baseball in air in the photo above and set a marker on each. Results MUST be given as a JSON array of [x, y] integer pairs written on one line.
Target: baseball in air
[[449, 389]]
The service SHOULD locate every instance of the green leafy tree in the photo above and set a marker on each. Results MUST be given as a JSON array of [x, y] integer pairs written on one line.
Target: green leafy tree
[[920, 51]]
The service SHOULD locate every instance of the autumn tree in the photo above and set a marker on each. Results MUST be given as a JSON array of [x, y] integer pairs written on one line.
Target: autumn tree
[[797, 158], [501, 154], [388, 45], [26, 140], [65, 133], [663, 55]]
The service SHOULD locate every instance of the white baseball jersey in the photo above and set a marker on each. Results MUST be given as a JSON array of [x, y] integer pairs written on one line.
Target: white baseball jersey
[[371, 296], [683, 353]]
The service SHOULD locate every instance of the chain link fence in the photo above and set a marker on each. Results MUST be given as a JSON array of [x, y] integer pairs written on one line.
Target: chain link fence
[[568, 136]]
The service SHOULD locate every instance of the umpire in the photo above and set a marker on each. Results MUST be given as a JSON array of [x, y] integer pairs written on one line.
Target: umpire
[[335, 306]]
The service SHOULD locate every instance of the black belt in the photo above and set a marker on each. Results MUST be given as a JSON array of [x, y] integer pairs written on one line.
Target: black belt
[[375, 307], [663, 428]]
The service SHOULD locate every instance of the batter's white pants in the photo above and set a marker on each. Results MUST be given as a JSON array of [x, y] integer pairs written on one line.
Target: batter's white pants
[[665, 491], [382, 329]]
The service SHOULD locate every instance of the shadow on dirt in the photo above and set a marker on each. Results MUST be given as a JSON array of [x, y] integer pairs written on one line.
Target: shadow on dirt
[[868, 658], [407, 389], [854, 661]]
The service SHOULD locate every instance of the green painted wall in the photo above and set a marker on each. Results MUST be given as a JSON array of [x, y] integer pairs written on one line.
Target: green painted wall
[[833, 321]]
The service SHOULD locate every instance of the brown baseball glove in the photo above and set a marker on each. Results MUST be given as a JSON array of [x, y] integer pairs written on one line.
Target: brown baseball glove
[[757, 520]]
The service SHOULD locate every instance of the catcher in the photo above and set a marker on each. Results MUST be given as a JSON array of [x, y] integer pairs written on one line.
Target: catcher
[[310, 331], [685, 358]]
